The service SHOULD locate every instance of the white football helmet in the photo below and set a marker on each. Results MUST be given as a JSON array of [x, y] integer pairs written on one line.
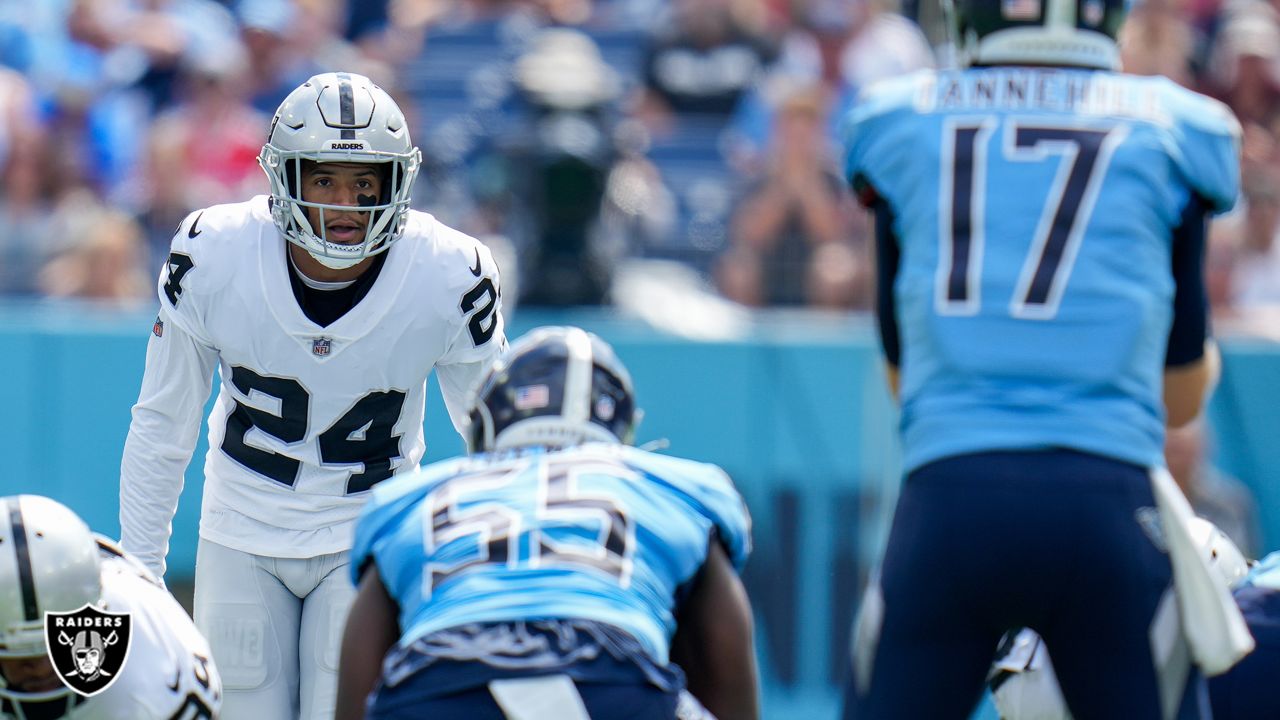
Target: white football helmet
[[1223, 555], [339, 117], [1071, 33], [49, 562]]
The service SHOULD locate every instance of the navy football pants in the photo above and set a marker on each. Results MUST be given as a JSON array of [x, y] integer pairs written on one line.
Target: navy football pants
[[602, 702], [1059, 541], [1248, 691]]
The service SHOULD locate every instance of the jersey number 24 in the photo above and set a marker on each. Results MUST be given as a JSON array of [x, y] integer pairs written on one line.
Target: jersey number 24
[[363, 434]]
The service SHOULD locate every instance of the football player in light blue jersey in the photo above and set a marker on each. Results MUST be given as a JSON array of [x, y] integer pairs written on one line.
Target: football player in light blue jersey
[[1040, 223], [558, 572]]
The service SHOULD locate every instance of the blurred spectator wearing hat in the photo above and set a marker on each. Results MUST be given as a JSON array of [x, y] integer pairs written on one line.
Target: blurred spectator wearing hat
[[561, 169]]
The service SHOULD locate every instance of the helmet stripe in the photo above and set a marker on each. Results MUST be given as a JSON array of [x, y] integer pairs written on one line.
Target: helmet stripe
[[346, 106], [576, 404], [1061, 13], [26, 580]]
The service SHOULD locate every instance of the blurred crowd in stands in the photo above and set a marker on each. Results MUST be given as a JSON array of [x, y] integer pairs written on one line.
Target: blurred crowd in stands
[[579, 138]]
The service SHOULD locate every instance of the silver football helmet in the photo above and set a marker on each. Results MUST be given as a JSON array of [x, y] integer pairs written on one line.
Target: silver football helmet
[[49, 562], [339, 117]]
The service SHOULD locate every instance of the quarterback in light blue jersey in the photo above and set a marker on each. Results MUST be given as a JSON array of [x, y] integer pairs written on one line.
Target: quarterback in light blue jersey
[[556, 565], [1040, 223], [1036, 215]]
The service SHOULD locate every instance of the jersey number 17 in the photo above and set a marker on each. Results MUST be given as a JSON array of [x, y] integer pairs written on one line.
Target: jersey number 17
[[1084, 154]]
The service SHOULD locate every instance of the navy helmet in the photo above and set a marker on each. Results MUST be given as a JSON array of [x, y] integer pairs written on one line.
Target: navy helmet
[[555, 387], [1071, 33]]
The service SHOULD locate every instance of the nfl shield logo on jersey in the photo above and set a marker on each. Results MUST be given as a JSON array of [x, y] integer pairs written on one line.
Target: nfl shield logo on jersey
[[88, 647], [321, 346]]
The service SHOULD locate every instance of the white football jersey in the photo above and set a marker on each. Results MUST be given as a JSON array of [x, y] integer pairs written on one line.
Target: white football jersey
[[307, 418], [169, 672]]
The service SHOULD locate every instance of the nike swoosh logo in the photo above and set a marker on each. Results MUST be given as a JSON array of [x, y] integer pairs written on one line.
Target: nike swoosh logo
[[192, 231], [476, 270]]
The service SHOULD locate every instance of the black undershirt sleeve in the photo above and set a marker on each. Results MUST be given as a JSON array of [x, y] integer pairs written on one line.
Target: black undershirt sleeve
[[1190, 326], [887, 259]]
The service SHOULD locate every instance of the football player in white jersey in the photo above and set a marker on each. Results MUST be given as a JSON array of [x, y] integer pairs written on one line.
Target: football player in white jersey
[[51, 562], [324, 306]]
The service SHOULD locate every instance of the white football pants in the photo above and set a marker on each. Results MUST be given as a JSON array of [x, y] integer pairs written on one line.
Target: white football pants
[[275, 627]]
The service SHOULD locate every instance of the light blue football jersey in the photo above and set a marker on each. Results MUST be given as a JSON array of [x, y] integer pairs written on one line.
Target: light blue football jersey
[[599, 532], [1034, 211]]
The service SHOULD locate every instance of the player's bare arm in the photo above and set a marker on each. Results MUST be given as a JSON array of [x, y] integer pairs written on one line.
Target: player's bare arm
[[1186, 387], [371, 631], [713, 642]]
